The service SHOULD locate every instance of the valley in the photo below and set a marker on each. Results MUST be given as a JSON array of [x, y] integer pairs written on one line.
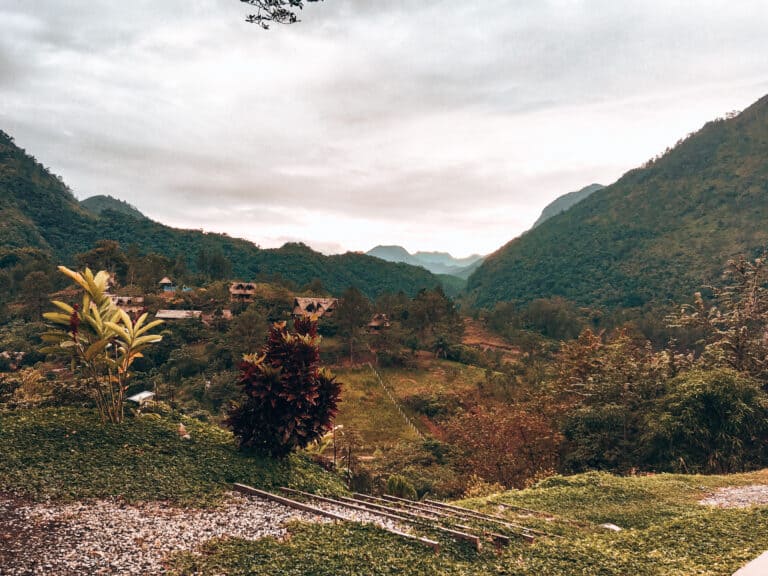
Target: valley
[[607, 367]]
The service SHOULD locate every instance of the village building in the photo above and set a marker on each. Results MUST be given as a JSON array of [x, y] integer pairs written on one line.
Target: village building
[[378, 323], [318, 307], [111, 283], [242, 292], [213, 316], [178, 314], [167, 285], [128, 304]]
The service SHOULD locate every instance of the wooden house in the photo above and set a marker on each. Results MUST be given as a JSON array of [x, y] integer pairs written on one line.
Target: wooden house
[[167, 285], [178, 314], [318, 307], [242, 292], [209, 319], [378, 323], [129, 304]]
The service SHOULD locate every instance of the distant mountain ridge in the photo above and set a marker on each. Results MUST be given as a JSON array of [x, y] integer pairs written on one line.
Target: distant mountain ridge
[[564, 202], [40, 219], [435, 262], [656, 235]]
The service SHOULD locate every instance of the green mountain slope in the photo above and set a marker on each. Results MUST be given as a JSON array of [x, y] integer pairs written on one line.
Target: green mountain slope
[[99, 204], [655, 235], [564, 202], [38, 210]]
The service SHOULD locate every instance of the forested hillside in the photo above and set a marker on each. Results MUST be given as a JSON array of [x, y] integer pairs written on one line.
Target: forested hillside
[[99, 204], [41, 219], [656, 235]]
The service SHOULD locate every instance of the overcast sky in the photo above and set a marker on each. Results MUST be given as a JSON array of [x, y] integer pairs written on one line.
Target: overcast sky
[[434, 124]]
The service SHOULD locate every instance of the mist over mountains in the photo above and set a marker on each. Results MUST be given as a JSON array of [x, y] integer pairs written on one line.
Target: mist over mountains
[[435, 262]]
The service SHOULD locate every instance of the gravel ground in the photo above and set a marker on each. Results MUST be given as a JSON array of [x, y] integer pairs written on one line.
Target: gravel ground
[[111, 537], [738, 497]]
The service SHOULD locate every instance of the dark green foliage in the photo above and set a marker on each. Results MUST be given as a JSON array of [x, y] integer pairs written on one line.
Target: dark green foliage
[[732, 323], [352, 315], [653, 236], [452, 285], [434, 319], [65, 453], [289, 400], [607, 386], [106, 255], [22, 336], [711, 421], [247, 332], [400, 487], [99, 204], [35, 289]]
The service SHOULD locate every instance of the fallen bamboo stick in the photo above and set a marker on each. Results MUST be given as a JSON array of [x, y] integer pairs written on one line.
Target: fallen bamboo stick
[[455, 534], [242, 488]]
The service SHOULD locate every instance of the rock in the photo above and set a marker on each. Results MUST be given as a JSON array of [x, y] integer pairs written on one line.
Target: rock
[[612, 527]]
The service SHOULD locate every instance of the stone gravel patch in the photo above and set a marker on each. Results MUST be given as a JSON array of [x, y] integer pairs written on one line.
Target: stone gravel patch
[[738, 497], [111, 537]]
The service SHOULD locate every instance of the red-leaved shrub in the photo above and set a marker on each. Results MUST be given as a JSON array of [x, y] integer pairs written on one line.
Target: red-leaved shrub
[[289, 400]]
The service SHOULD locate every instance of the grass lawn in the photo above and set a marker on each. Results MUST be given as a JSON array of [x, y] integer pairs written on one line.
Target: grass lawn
[[366, 409], [665, 533], [66, 453]]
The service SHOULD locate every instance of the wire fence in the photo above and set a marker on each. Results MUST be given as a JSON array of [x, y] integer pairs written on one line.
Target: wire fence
[[394, 401]]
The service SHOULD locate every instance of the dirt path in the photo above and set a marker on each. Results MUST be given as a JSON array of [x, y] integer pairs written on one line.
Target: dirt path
[[478, 336]]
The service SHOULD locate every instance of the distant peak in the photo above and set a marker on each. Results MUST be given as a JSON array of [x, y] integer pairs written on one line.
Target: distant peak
[[99, 203], [566, 201], [435, 262]]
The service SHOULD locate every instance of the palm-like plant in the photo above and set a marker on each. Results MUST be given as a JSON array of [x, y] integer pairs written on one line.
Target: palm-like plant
[[102, 339]]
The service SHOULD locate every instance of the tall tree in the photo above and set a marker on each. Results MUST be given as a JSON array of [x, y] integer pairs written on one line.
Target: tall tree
[[34, 294], [734, 322], [352, 314], [433, 317], [106, 255], [246, 331]]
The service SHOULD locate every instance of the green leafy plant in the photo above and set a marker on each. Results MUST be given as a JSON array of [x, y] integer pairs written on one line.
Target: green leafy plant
[[102, 340], [711, 421], [401, 487], [290, 401]]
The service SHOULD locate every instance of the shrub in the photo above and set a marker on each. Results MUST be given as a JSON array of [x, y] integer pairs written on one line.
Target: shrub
[[400, 487], [102, 340], [711, 421], [290, 401]]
